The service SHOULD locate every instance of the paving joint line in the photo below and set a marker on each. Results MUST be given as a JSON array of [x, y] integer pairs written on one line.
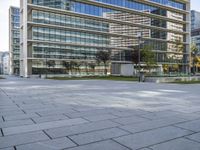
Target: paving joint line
[[124, 130], [191, 139], [121, 144], [184, 128], [163, 142], [3, 118], [2, 132], [47, 134], [72, 141], [39, 114], [15, 148], [33, 121]]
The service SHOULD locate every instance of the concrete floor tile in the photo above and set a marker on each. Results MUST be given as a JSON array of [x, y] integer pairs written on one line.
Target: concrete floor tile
[[177, 144], [147, 138]]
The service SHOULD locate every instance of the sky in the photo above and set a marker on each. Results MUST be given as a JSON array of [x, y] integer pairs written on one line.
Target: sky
[[4, 20]]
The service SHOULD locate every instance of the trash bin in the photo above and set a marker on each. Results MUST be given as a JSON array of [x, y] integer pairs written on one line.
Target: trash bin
[[142, 78]]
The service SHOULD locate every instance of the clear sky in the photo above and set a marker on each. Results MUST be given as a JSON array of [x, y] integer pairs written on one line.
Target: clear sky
[[4, 27]]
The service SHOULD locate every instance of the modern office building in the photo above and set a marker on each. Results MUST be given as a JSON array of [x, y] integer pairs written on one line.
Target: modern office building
[[127, 30], [4, 63], [195, 37], [195, 32], [6, 66], [14, 40], [1, 62], [74, 30], [195, 19]]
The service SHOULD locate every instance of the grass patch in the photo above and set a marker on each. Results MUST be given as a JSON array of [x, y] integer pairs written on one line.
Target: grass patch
[[114, 78], [187, 82]]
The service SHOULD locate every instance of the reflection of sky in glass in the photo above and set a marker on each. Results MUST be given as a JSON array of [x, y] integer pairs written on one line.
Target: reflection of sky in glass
[[98, 11]]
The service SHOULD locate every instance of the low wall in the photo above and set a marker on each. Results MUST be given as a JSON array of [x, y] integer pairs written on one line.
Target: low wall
[[170, 79], [65, 75]]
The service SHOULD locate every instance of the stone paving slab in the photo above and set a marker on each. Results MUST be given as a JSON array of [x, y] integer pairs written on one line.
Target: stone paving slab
[[10, 109], [19, 117], [129, 120], [178, 144], [160, 114], [82, 128], [7, 113], [152, 137], [90, 113], [42, 126], [95, 136], [10, 148], [49, 118], [1, 119], [188, 116], [191, 125], [35, 106], [195, 137], [55, 144], [54, 112], [128, 113], [98, 115], [14, 123], [48, 110], [104, 145], [8, 141], [151, 124]]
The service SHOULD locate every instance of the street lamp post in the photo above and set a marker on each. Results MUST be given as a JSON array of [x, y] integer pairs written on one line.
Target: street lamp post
[[139, 36]]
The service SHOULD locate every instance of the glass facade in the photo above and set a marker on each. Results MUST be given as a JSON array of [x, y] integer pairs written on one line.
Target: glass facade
[[195, 20], [86, 27], [14, 39]]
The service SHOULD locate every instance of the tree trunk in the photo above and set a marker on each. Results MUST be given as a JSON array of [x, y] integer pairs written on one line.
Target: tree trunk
[[105, 69]]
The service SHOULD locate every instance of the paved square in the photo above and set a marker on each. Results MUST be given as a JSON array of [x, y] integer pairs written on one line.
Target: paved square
[[39, 114]]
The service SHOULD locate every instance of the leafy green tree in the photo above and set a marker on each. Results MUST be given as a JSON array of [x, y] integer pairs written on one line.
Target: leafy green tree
[[103, 56], [85, 63], [72, 66], [75, 66], [92, 65], [148, 57], [194, 55], [78, 67], [67, 66]]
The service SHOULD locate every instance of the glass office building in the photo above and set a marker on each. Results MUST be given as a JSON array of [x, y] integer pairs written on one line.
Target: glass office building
[[14, 40], [74, 30], [195, 20]]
